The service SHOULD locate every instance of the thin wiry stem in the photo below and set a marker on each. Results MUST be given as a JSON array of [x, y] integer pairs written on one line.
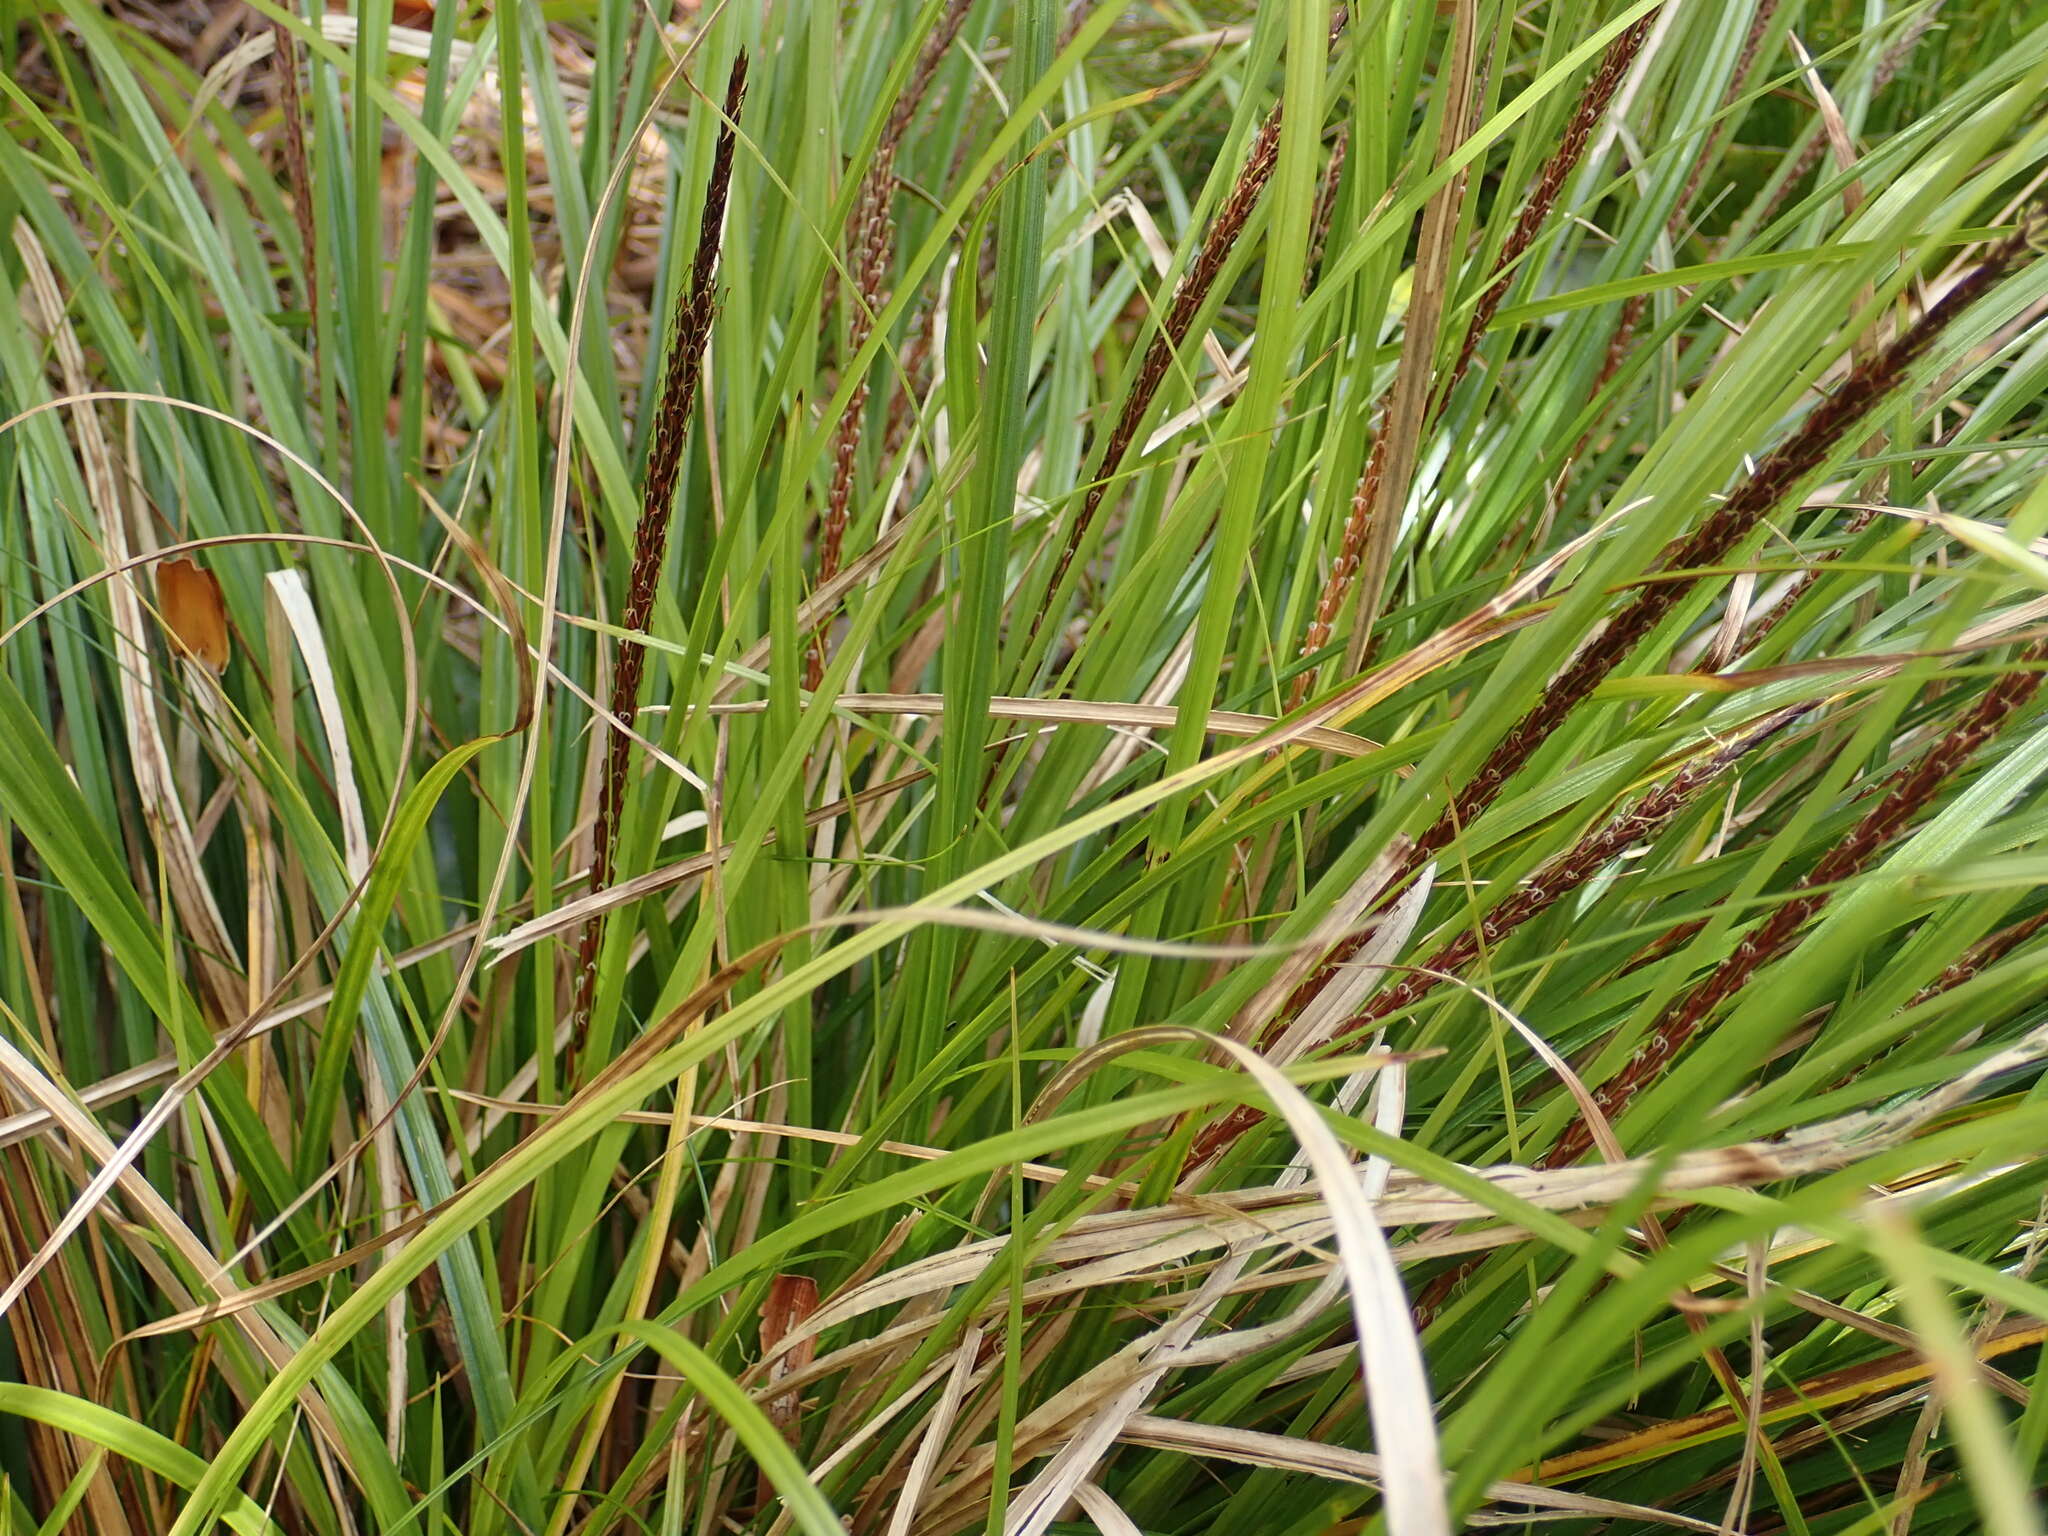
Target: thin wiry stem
[[1573, 868], [1637, 305], [690, 334], [1983, 955], [1344, 569], [1979, 957], [1908, 790]]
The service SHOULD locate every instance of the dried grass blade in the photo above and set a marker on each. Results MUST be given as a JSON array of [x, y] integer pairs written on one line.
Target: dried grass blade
[[155, 780], [936, 1430], [1287, 1453]]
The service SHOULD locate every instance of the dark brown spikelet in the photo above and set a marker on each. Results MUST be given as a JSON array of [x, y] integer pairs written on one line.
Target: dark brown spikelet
[[1557, 170], [1592, 106], [917, 377], [1979, 957], [1571, 869], [1888, 68], [1350, 551], [1760, 629], [1906, 793], [1326, 207], [868, 223], [1982, 956], [1188, 297], [1738, 82], [690, 333], [1634, 308], [292, 111], [1780, 473], [1549, 885], [1637, 305], [872, 244]]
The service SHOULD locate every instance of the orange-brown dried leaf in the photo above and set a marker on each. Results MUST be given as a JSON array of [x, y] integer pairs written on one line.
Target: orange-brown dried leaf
[[188, 597], [791, 1300]]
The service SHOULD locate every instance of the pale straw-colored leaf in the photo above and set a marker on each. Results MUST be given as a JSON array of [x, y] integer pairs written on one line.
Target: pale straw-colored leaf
[[1256, 1448], [932, 1440]]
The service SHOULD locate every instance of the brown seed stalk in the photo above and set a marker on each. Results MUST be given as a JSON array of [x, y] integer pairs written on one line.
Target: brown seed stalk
[[873, 243], [1760, 629], [917, 375], [1372, 528], [1350, 552], [1817, 147], [291, 109], [1188, 297], [1637, 305], [1557, 879], [1326, 206], [1983, 955], [1365, 499], [1575, 866], [689, 336], [1557, 170], [1634, 308], [1780, 473], [1907, 792], [1979, 957]]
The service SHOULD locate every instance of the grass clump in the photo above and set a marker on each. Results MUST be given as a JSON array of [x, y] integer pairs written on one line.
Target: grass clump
[[1015, 767]]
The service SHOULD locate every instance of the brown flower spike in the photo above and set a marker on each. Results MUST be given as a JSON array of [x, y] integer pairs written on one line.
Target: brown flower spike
[[690, 335]]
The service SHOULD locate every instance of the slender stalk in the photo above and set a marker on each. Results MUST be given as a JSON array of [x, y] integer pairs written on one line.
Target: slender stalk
[[1888, 68], [1983, 955], [1908, 790], [690, 333]]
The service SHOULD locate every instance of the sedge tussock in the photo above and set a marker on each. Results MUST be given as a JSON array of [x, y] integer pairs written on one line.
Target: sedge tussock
[[1226, 773]]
